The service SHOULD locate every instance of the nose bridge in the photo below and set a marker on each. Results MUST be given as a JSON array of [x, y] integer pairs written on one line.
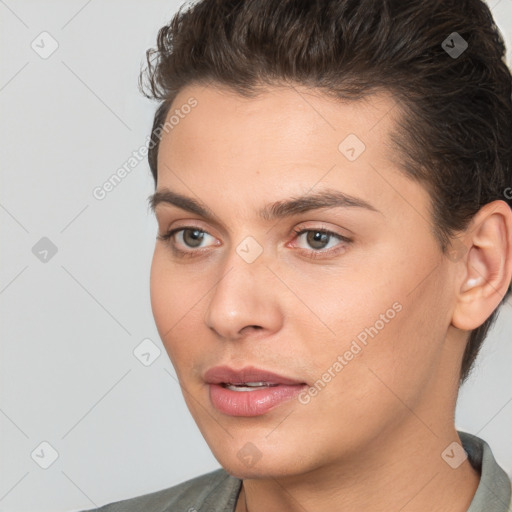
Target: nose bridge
[[242, 295]]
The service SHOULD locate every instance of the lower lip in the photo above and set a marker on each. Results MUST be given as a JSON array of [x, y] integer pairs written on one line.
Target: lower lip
[[251, 403]]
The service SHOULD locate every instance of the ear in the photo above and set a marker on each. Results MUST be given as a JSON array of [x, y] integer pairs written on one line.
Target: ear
[[485, 265]]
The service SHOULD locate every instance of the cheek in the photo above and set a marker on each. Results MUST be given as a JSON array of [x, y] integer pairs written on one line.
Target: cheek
[[389, 329], [169, 301], [161, 293], [177, 301], [173, 293]]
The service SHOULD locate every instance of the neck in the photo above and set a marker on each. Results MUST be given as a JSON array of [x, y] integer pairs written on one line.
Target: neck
[[405, 472]]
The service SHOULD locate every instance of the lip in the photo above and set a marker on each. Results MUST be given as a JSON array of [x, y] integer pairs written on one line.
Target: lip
[[228, 375], [249, 403]]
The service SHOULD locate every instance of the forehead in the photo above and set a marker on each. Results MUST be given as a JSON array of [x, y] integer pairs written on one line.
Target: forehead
[[284, 141], [286, 114], [285, 123]]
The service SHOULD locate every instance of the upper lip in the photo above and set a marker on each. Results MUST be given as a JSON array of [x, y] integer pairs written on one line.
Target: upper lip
[[227, 375]]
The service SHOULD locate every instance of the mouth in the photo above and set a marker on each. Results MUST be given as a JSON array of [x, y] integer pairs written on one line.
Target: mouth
[[249, 391], [247, 386]]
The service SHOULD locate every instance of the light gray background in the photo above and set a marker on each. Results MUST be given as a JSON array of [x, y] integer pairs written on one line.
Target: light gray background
[[69, 326]]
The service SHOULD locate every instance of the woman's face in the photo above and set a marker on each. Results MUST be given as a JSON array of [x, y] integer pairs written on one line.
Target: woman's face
[[347, 305]]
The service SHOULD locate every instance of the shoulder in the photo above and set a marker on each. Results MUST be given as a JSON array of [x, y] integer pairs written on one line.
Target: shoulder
[[211, 492]]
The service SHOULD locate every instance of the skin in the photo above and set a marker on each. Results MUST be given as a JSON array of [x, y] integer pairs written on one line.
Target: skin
[[372, 438]]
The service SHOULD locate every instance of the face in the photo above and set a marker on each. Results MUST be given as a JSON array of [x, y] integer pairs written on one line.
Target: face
[[337, 309]]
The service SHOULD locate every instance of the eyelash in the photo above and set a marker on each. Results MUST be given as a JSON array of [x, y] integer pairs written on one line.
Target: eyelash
[[312, 253]]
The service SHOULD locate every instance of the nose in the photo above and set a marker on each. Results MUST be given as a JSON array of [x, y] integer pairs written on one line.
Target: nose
[[244, 300]]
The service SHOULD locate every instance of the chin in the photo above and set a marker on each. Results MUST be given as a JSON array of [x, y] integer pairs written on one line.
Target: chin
[[268, 462], [258, 471]]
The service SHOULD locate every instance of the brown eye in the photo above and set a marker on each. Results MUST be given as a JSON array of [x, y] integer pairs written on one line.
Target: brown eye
[[320, 243], [317, 239], [187, 241], [193, 237]]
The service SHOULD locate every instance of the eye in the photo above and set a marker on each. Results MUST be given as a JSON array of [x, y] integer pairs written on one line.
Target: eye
[[188, 237], [321, 241], [190, 241]]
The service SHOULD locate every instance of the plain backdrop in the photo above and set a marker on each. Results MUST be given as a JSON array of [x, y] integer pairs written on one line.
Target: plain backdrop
[[74, 274]]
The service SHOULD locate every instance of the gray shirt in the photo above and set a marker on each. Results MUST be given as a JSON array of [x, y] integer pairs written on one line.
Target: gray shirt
[[218, 492]]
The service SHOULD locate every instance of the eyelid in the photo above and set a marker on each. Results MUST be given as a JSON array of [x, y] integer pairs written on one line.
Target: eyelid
[[324, 227], [301, 231]]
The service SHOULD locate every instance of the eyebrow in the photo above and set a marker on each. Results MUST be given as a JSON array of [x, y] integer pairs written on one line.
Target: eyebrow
[[328, 198]]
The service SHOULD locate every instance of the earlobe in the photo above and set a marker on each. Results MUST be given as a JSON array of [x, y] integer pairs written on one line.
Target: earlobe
[[487, 267]]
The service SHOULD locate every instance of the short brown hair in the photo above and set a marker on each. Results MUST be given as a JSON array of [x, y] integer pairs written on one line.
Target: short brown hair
[[455, 136]]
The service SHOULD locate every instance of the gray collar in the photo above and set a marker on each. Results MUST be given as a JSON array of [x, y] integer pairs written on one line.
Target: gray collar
[[494, 490]]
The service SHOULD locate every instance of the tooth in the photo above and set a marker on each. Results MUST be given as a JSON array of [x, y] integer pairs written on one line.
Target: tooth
[[241, 387], [248, 386], [238, 388]]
